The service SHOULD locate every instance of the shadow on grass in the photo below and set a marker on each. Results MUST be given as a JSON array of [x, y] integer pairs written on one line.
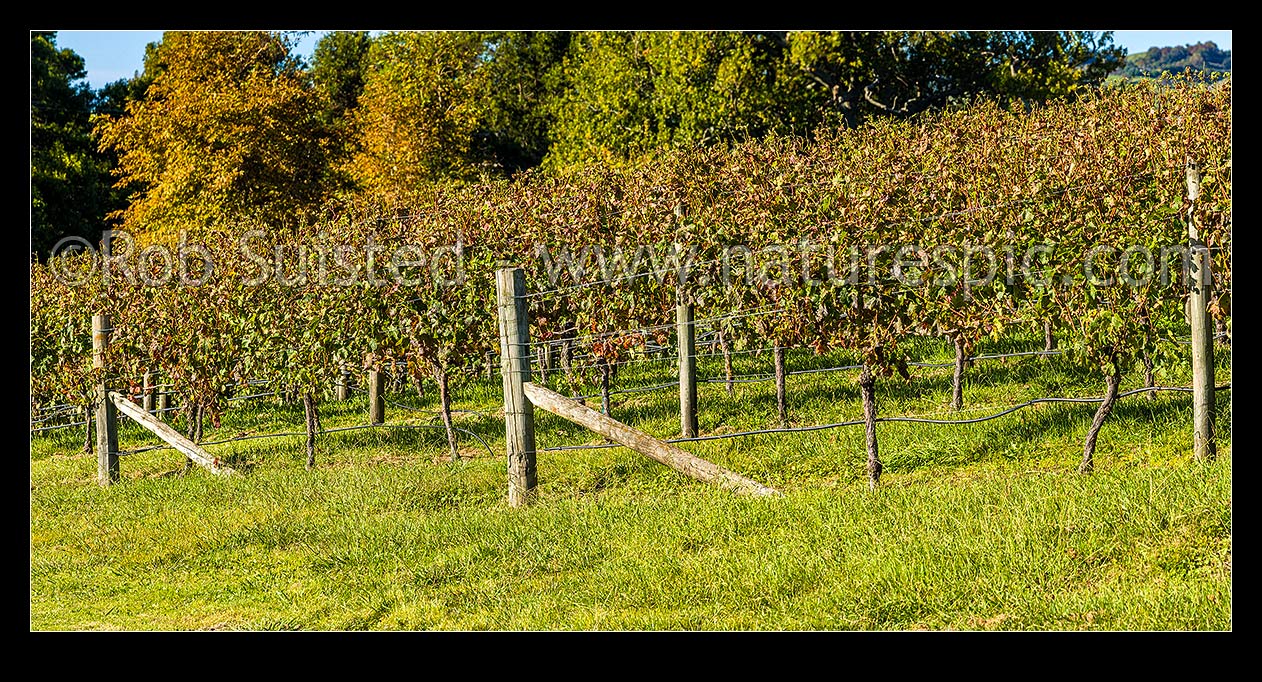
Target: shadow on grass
[[427, 441], [755, 404], [754, 407], [1012, 436]]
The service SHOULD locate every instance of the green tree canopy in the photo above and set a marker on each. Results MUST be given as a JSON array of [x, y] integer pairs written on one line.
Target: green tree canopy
[[337, 73], [524, 74], [856, 74], [223, 126], [112, 99], [1199, 57], [69, 181], [337, 69], [626, 94]]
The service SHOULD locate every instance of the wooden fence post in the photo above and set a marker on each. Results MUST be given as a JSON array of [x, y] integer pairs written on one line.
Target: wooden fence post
[[666, 453], [376, 397], [106, 418], [146, 400], [164, 397], [685, 332], [1202, 285], [188, 448], [342, 391], [519, 413]]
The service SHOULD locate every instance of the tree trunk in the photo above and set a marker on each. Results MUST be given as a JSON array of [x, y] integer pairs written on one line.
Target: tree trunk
[[867, 388], [1149, 382], [444, 399], [89, 416], [419, 386], [781, 407], [1049, 340], [726, 346], [313, 425], [567, 364], [194, 433], [605, 371], [957, 383], [540, 361], [567, 358], [1111, 382]]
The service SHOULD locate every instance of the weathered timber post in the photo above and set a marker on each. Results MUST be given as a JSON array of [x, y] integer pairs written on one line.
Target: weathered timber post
[[1202, 285], [164, 397], [376, 396], [661, 451], [106, 417], [685, 332], [147, 392], [519, 413], [192, 452], [342, 391]]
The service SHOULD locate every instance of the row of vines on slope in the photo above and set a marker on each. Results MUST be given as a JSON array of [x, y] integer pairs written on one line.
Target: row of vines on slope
[[1099, 175]]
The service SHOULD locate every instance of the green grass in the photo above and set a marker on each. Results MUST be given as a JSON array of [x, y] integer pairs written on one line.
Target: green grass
[[984, 526]]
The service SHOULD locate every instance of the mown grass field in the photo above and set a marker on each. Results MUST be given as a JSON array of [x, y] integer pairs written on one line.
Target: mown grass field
[[983, 526]]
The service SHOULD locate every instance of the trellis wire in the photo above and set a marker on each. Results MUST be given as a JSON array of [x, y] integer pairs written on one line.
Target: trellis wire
[[917, 420], [736, 379], [610, 280], [748, 312], [303, 433]]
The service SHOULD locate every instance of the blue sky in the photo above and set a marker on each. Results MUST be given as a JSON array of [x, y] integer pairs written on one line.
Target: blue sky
[[111, 55]]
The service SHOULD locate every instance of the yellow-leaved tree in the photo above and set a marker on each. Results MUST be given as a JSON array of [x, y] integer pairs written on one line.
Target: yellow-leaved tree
[[228, 132], [421, 104]]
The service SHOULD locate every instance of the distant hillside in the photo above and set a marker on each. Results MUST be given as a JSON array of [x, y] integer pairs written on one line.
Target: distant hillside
[[1200, 57]]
